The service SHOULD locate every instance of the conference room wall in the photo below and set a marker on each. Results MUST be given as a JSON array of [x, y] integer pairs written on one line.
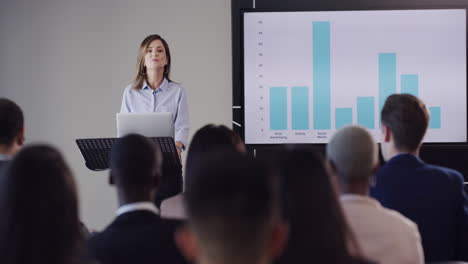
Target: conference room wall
[[67, 62]]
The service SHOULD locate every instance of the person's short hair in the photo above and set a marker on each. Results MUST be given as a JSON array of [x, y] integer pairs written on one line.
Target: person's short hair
[[354, 154], [232, 205], [134, 162], [408, 119], [39, 205], [211, 138], [11, 121]]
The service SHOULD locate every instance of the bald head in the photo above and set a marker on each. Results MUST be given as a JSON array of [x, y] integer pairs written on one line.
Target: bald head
[[353, 154]]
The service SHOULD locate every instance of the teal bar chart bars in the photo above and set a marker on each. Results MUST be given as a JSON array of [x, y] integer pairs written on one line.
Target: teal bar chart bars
[[343, 117], [365, 112], [387, 76], [300, 107], [321, 74], [278, 108], [367, 107], [434, 121], [409, 84]]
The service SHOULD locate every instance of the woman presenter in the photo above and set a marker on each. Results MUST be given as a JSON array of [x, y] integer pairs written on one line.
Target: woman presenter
[[152, 89]]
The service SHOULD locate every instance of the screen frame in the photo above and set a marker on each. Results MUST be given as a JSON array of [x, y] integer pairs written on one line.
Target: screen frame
[[240, 91]]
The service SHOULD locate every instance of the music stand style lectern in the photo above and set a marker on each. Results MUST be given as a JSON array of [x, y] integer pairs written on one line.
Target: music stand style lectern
[[96, 153]]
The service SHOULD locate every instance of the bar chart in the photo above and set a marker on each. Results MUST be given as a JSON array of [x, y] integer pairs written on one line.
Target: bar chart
[[321, 75], [333, 69]]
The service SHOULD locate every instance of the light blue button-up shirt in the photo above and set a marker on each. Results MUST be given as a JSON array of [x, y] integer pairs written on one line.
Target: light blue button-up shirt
[[168, 97]]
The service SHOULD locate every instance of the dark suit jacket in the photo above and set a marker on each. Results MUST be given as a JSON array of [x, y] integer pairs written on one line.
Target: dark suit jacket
[[3, 164], [431, 196], [137, 237]]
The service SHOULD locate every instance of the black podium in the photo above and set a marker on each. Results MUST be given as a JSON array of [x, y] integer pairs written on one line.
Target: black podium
[[96, 152]]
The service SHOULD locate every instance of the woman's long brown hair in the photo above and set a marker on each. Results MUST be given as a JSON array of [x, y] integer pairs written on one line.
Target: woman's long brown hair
[[39, 205], [140, 75], [319, 232]]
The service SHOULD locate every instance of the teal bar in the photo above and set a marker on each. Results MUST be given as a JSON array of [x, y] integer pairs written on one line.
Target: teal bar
[[300, 107], [321, 74], [343, 117], [365, 112], [434, 121], [387, 76], [278, 108], [409, 84]]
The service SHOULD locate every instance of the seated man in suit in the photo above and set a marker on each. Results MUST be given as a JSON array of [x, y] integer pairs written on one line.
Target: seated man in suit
[[385, 236], [431, 196], [11, 130], [232, 205], [138, 234]]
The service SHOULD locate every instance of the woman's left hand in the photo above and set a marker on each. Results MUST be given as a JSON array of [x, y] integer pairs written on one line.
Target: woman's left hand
[[179, 146]]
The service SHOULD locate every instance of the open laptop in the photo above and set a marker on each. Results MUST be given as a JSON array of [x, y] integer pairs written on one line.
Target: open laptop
[[146, 124]]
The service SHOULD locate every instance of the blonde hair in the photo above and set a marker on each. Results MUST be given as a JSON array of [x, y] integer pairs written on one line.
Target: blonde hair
[[140, 76]]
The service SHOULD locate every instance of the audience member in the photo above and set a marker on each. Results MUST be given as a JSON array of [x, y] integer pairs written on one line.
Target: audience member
[[385, 236], [39, 206], [431, 196], [233, 212], [319, 232], [11, 130], [138, 234], [207, 139]]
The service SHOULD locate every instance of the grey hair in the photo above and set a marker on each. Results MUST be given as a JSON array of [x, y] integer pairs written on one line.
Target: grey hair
[[354, 154]]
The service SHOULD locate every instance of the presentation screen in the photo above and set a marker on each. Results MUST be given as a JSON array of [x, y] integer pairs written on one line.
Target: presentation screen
[[307, 74]]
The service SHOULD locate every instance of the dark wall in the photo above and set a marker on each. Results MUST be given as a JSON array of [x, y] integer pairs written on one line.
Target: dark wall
[[450, 155]]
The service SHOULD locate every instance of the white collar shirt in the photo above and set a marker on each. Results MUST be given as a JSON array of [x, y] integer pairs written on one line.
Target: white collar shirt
[[131, 207], [384, 235]]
